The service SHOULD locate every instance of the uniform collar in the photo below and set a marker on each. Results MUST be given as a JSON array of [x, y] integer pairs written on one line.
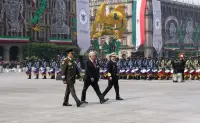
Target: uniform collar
[[69, 58]]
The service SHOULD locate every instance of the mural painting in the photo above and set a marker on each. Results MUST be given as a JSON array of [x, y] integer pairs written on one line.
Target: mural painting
[[12, 11]]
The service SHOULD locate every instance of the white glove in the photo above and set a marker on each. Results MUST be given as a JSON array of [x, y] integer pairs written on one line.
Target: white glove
[[63, 77], [92, 79]]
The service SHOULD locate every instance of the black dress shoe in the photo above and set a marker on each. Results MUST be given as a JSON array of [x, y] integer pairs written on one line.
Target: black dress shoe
[[119, 98], [104, 100], [66, 104], [84, 102], [79, 104]]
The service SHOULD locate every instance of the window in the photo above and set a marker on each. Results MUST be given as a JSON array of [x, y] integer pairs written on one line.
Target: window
[[69, 6], [1, 30], [46, 21]]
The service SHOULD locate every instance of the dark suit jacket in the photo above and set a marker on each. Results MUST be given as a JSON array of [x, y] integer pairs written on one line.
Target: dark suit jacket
[[112, 69], [91, 71]]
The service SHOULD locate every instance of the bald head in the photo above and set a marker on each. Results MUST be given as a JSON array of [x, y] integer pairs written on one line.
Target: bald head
[[92, 56]]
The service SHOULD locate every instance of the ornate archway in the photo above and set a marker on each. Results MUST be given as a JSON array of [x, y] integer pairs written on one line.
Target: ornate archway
[[14, 53]]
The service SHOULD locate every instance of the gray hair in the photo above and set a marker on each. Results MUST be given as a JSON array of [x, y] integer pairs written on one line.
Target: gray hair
[[91, 54]]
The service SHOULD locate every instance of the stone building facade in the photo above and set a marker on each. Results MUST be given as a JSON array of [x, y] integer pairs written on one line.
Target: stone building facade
[[180, 27], [56, 25]]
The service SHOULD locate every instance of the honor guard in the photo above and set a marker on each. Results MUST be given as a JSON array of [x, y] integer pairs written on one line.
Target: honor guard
[[150, 63], [195, 63], [37, 68], [168, 64], [112, 77], [29, 70], [130, 64], [118, 64], [187, 63], [53, 69], [162, 64], [44, 70], [144, 63], [139, 62], [69, 72]]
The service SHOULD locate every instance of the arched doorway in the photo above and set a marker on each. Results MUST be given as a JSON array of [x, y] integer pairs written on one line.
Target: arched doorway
[[14, 52], [1, 52]]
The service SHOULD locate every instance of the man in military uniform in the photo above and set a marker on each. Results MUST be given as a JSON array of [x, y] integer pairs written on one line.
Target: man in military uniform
[[161, 63], [168, 64], [69, 72], [139, 62], [112, 76], [91, 78], [150, 63]]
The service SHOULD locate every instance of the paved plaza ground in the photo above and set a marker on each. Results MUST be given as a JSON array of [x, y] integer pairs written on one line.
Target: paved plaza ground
[[40, 101]]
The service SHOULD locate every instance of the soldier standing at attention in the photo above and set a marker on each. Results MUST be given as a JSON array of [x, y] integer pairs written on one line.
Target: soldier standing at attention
[[29, 71], [37, 68], [45, 70], [69, 72], [112, 76]]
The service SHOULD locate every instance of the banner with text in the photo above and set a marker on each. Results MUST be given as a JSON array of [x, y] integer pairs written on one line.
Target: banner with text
[[83, 24], [157, 26]]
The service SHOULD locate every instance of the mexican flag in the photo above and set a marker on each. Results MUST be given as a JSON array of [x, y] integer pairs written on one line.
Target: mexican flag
[[138, 24]]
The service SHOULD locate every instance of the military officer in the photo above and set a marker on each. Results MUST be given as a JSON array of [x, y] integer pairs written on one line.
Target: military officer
[[112, 76], [69, 72]]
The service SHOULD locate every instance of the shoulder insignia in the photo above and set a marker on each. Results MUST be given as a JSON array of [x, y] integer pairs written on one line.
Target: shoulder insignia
[[64, 60]]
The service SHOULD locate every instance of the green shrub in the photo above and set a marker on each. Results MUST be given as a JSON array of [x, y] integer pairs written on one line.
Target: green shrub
[[45, 50]]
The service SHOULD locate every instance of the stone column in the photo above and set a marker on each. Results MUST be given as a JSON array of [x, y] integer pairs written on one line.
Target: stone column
[[20, 53], [6, 53], [148, 46]]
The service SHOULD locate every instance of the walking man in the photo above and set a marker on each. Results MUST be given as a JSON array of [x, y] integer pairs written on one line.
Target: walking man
[[69, 72], [91, 78], [112, 76]]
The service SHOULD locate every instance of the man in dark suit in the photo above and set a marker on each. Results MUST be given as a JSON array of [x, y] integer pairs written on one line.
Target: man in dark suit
[[69, 72], [91, 78], [113, 76]]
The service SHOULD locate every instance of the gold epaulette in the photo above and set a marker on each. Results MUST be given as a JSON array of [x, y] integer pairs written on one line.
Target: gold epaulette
[[63, 62]]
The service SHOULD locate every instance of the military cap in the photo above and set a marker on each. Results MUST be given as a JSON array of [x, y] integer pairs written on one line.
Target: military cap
[[70, 50], [113, 55]]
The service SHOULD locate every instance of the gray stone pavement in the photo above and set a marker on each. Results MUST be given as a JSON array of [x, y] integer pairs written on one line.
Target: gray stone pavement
[[40, 101]]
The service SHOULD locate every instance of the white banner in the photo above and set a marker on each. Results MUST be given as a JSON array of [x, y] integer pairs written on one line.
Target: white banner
[[83, 24], [157, 26]]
